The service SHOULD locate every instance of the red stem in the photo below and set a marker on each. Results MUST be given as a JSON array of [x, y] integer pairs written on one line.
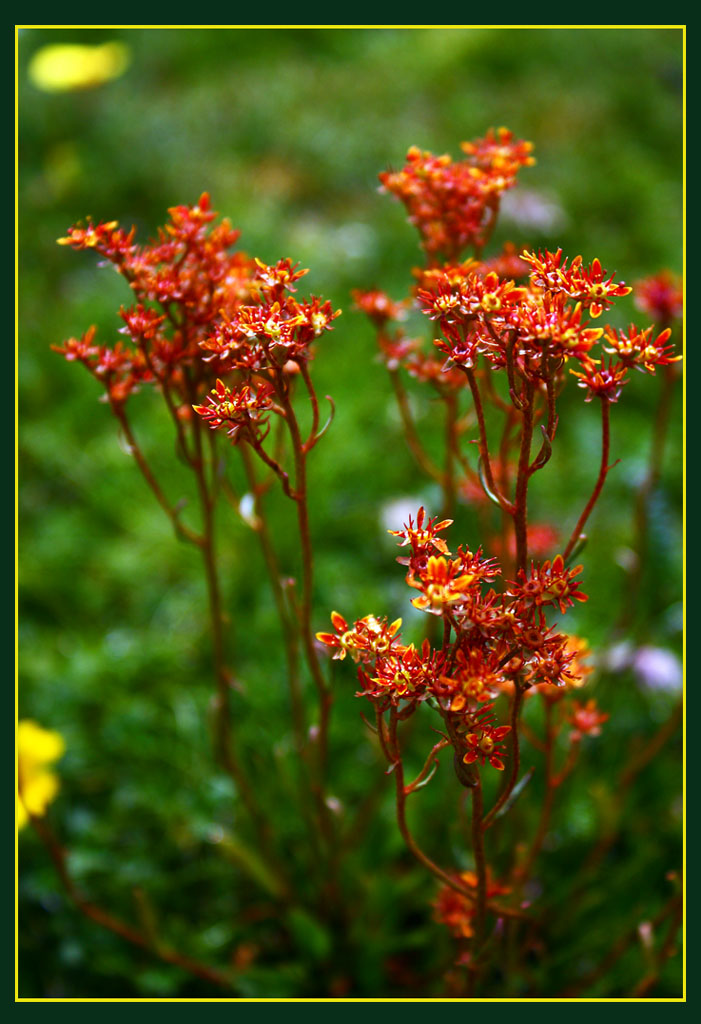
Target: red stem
[[483, 445], [603, 471], [181, 529], [515, 759], [521, 512]]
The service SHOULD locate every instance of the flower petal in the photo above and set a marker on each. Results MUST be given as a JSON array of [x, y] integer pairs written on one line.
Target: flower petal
[[339, 622]]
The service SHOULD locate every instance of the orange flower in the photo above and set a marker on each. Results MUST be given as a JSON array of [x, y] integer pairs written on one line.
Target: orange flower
[[422, 538], [368, 637], [442, 583], [238, 409], [637, 348]]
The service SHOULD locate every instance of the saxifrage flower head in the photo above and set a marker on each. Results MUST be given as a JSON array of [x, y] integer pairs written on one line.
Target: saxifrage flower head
[[484, 742], [551, 583], [600, 380], [638, 348], [442, 584], [368, 638], [239, 409], [588, 285]]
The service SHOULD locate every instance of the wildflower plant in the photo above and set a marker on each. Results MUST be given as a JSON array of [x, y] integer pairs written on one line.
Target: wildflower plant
[[228, 345], [510, 332]]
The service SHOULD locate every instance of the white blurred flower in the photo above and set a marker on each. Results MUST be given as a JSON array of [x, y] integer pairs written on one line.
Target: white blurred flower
[[533, 210], [393, 514], [658, 669]]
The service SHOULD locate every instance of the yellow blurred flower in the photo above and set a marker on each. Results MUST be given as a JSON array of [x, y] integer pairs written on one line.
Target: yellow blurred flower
[[64, 67], [577, 667], [36, 747]]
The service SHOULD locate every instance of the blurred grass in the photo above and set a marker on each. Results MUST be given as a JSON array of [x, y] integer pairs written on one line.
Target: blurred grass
[[288, 129]]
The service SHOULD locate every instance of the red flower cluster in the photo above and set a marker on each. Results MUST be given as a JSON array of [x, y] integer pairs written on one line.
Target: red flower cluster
[[120, 369], [274, 331], [533, 331], [588, 285], [217, 313], [452, 203], [497, 638]]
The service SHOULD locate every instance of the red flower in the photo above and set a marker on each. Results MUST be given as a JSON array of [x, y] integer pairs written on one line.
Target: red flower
[[586, 719], [484, 743], [442, 584], [238, 409], [279, 277], [660, 296], [542, 538], [636, 347], [368, 638], [545, 323], [403, 674], [548, 584], [422, 538], [476, 676], [79, 349], [141, 322], [107, 238], [378, 306], [602, 381]]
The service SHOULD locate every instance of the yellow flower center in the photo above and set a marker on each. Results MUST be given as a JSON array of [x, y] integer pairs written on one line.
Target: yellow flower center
[[491, 303]]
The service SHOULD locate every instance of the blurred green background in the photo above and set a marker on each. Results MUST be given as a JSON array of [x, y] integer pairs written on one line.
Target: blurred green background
[[288, 129]]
